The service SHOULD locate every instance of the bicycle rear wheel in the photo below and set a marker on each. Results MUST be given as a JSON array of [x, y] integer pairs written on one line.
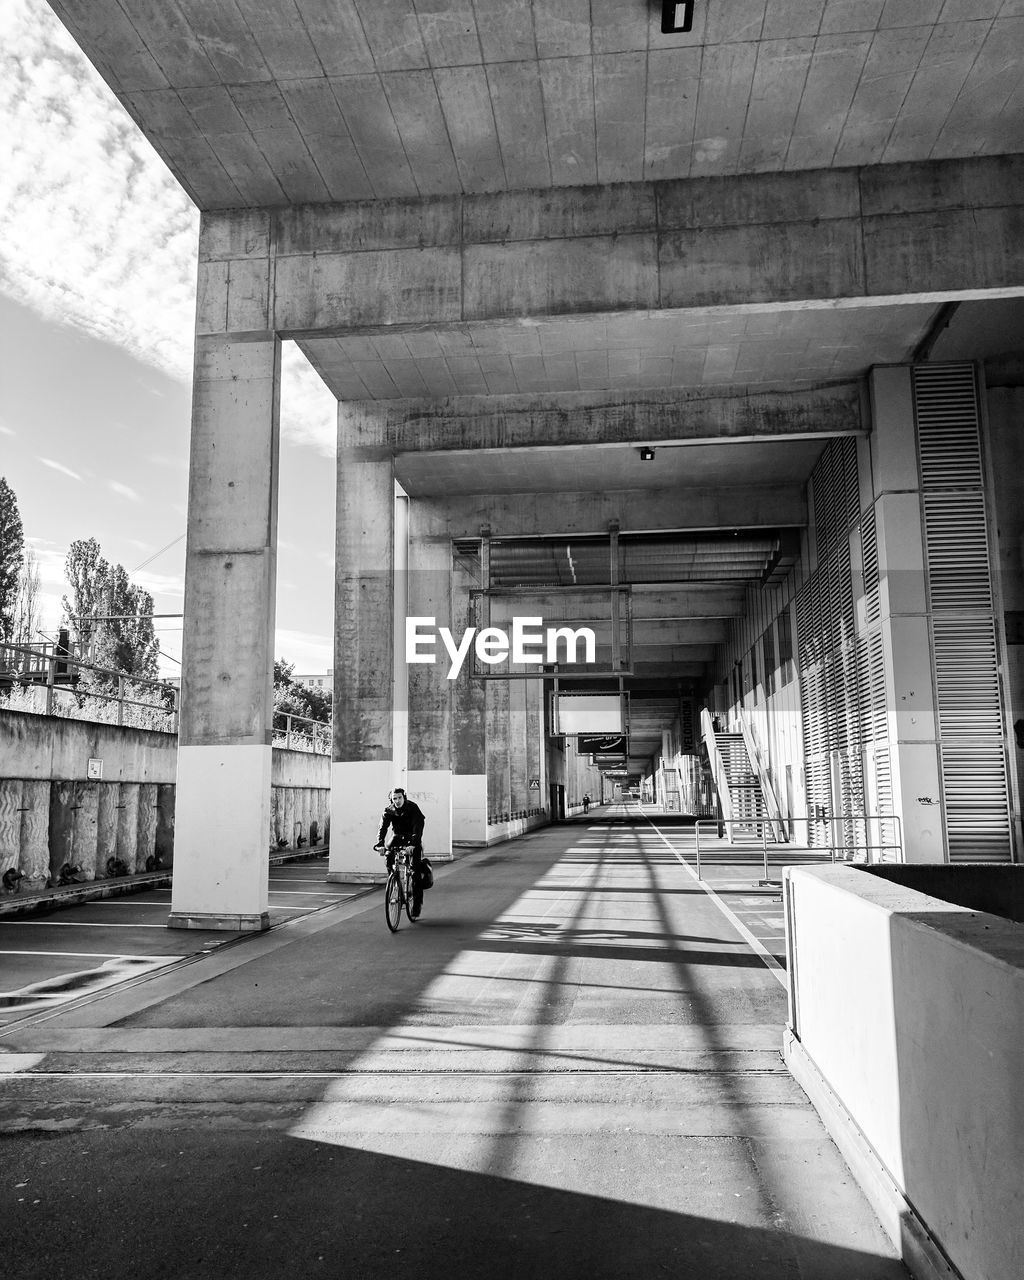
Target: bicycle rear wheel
[[393, 902]]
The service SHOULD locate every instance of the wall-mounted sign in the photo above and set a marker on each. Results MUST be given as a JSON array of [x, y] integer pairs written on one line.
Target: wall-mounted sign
[[535, 784], [592, 744], [94, 770]]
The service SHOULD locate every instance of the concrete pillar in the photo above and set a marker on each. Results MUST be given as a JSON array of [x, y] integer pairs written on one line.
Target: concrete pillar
[[365, 764], [906, 639], [518, 737], [222, 810], [535, 755], [126, 845], [498, 726], [35, 825], [106, 826], [469, 722], [430, 690]]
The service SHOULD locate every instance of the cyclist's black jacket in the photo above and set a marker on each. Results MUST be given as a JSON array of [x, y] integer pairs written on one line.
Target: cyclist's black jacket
[[406, 822]]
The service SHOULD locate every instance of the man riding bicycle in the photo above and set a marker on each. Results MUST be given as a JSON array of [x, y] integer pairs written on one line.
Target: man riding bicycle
[[406, 819]]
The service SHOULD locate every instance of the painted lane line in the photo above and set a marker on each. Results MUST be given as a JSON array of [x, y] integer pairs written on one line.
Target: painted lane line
[[755, 945], [75, 924], [90, 955]]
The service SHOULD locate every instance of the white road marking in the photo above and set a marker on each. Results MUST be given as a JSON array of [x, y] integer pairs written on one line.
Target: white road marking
[[755, 944], [91, 955], [77, 924]]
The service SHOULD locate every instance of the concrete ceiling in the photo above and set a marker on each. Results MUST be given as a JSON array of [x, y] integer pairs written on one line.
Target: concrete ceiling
[[593, 469], [279, 102], [758, 348], [272, 102]]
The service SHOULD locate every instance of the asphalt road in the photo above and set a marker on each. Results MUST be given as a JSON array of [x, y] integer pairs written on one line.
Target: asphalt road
[[569, 1067], [50, 957]]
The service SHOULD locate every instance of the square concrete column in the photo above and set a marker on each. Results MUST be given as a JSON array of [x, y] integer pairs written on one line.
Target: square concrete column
[[469, 722], [365, 765], [430, 690], [222, 806]]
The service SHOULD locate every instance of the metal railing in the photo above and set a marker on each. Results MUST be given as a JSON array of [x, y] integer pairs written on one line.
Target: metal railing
[[288, 732], [44, 667], [846, 837]]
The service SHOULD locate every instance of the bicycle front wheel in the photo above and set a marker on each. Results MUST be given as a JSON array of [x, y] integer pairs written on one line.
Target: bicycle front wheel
[[410, 895], [393, 902]]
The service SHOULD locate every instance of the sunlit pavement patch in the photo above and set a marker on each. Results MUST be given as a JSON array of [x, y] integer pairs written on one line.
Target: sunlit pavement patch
[[51, 992]]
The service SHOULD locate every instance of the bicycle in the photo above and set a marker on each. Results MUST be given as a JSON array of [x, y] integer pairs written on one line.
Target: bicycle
[[399, 890]]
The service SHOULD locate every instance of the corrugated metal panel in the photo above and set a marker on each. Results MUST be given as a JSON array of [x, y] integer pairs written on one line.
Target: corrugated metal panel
[[968, 690]]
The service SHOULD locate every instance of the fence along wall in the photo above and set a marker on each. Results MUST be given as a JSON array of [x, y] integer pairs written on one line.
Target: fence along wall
[[52, 813]]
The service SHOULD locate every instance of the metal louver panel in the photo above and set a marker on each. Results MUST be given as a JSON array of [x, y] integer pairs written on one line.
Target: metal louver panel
[[957, 541], [946, 407], [967, 684], [869, 563]]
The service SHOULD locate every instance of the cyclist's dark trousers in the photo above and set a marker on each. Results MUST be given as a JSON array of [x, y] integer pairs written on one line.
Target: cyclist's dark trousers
[[417, 879]]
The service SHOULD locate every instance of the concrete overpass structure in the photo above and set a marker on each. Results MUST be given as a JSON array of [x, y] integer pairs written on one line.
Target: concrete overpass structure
[[713, 339]]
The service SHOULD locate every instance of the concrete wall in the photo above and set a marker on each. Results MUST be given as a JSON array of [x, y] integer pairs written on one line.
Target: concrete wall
[[52, 813], [906, 1025]]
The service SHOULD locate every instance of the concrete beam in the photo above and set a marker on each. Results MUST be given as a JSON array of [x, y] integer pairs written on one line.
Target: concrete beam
[[929, 231], [637, 511], [474, 423]]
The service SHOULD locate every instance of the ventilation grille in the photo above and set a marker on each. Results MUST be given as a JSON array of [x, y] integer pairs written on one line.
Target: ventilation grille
[[946, 407], [869, 561], [967, 685]]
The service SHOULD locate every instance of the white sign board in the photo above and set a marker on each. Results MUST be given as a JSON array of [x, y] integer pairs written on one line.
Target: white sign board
[[94, 769], [588, 713]]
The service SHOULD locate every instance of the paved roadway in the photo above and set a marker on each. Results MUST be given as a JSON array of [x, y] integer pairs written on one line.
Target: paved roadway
[[49, 959], [569, 1068]]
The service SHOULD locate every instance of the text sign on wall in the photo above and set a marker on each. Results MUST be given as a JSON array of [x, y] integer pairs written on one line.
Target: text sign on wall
[[94, 770]]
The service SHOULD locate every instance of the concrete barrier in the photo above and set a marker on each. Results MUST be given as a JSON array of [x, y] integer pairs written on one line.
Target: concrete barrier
[[53, 814], [907, 1033]]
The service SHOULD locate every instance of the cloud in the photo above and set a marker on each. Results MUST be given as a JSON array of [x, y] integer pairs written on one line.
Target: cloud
[[58, 466], [97, 233], [123, 491], [309, 652], [7, 431]]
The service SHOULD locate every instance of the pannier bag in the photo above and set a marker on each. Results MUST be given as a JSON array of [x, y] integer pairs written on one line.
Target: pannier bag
[[426, 873]]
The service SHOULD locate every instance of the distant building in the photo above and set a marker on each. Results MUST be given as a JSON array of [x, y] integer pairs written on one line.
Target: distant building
[[320, 681]]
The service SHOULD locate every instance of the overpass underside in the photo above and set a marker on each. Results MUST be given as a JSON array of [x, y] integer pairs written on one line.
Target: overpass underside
[[731, 378]]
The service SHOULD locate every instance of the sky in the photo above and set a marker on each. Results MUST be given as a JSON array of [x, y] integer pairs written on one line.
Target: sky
[[97, 298]]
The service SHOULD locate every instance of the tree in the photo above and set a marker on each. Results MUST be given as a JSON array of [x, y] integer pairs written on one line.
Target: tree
[[111, 615], [26, 604], [296, 699], [12, 545]]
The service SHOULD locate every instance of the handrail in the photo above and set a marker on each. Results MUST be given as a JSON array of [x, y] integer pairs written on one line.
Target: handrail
[[50, 661], [319, 736], [771, 800], [717, 764], [836, 840]]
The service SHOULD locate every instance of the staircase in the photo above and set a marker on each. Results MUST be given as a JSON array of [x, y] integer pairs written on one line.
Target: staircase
[[747, 801]]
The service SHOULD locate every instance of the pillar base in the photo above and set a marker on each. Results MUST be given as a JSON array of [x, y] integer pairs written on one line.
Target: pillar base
[[359, 794], [431, 789], [216, 920]]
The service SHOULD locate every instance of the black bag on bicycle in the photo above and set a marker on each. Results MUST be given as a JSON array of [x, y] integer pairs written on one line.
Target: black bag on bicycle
[[426, 874]]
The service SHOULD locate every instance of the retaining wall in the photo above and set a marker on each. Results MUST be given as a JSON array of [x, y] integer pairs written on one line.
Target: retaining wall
[[907, 1033], [54, 815]]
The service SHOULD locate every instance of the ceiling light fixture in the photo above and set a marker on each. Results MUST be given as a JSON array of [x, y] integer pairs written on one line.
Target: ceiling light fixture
[[647, 454], [676, 16]]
